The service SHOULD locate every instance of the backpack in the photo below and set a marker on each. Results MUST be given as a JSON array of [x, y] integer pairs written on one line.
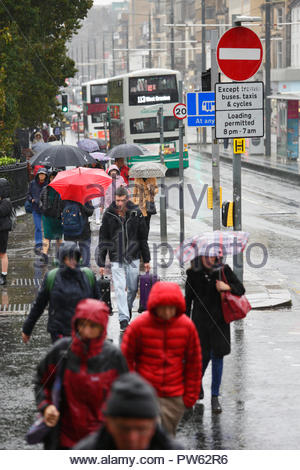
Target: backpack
[[52, 275], [72, 219]]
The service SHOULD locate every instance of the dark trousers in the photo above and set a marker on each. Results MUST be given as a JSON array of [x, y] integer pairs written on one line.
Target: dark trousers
[[147, 220]]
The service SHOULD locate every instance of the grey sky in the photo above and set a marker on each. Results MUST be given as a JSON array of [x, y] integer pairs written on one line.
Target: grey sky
[[102, 2]]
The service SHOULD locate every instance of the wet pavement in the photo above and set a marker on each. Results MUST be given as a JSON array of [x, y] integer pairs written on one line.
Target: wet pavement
[[261, 382]]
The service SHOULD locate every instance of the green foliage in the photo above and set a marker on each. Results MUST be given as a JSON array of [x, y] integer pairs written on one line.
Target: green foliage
[[7, 161], [33, 60]]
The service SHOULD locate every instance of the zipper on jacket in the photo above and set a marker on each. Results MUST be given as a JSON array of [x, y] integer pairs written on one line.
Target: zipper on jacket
[[164, 366]]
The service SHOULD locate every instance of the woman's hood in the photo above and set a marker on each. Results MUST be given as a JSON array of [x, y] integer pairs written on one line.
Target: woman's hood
[[113, 167], [93, 310], [97, 312]]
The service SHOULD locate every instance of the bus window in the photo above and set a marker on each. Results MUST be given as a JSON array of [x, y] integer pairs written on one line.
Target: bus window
[[148, 125], [98, 93], [84, 93], [98, 118], [155, 89]]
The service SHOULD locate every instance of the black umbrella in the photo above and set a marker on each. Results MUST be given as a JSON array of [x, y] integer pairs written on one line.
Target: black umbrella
[[126, 150], [60, 156]]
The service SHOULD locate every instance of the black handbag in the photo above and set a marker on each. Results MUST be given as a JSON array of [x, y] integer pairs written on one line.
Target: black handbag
[[151, 208]]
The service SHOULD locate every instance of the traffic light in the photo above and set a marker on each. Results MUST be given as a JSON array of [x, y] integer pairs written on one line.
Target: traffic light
[[64, 103], [227, 213]]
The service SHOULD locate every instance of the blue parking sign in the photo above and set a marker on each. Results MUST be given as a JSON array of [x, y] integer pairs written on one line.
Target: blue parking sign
[[201, 109]]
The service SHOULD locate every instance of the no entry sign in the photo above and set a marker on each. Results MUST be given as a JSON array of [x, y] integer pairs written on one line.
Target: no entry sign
[[239, 53]]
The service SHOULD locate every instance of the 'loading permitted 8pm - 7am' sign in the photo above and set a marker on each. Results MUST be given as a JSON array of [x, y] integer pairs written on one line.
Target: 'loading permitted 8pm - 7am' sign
[[239, 110]]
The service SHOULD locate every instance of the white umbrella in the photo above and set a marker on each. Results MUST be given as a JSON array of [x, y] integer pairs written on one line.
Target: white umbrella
[[147, 170]]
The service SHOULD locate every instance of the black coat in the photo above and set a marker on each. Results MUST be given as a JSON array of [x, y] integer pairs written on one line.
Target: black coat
[[5, 212], [203, 305], [87, 211], [103, 440], [50, 208], [34, 192], [70, 286], [123, 240]]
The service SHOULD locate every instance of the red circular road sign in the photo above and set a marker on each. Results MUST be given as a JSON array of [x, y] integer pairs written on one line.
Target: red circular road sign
[[179, 111], [239, 53]]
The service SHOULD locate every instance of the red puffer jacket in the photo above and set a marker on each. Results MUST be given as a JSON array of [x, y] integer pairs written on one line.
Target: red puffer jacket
[[90, 369], [167, 353]]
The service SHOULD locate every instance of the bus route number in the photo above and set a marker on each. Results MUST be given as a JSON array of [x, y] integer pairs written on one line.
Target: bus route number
[[179, 111]]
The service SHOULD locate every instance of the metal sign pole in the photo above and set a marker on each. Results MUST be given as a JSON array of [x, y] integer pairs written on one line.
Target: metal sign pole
[[163, 205], [181, 175], [215, 143]]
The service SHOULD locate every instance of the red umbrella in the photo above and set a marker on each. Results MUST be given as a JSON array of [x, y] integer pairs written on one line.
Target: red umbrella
[[81, 184]]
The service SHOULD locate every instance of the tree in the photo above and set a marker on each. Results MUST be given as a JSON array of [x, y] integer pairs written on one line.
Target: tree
[[34, 62]]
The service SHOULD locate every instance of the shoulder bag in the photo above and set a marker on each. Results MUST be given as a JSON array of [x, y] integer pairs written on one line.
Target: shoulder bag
[[234, 307]]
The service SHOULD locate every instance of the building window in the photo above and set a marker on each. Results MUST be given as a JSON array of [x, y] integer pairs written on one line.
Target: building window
[[210, 13], [279, 54], [280, 16]]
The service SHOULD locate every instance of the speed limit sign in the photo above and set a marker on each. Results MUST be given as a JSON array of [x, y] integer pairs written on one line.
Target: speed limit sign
[[179, 111]]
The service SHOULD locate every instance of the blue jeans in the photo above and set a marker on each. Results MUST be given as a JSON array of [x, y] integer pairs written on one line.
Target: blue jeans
[[38, 234], [85, 250], [125, 275], [216, 373]]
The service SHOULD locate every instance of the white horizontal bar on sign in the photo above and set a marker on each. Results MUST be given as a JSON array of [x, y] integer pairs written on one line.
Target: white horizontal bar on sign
[[239, 53]]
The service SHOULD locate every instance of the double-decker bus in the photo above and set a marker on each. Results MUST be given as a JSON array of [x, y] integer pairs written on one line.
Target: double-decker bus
[[134, 99], [94, 99]]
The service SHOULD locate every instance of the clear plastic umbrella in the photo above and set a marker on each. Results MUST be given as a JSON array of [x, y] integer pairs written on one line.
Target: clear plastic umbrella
[[217, 243], [147, 170]]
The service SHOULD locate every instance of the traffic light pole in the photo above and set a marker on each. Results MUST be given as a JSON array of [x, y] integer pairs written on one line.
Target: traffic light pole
[[215, 143]]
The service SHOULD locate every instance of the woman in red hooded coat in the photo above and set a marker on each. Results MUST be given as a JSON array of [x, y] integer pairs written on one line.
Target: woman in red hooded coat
[[162, 345], [91, 365]]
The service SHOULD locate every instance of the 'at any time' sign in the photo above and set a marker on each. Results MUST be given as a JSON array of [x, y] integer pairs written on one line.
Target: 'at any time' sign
[[239, 110]]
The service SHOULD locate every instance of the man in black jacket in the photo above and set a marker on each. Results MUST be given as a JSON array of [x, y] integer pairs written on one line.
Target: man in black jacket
[[63, 291], [123, 235], [131, 423]]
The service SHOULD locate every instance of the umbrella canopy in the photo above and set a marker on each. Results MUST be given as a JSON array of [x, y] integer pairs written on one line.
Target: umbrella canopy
[[39, 146], [100, 142], [126, 150], [102, 157], [60, 156], [89, 145], [81, 184], [216, 243], [147, 170]]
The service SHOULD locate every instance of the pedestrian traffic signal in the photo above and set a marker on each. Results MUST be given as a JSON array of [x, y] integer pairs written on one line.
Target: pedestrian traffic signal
[[210, 198], [227, 213], [64, 103]]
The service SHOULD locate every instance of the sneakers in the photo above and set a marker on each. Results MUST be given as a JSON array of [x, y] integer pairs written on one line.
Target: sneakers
[[2, 279], [215, 405], [123, 325], [38, 250]]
